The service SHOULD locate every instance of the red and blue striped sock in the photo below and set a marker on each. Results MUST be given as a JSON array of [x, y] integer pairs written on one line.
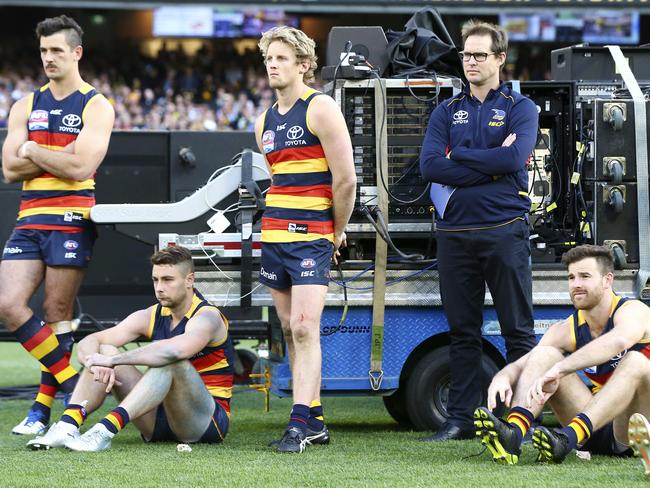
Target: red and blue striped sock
[[116, 420]]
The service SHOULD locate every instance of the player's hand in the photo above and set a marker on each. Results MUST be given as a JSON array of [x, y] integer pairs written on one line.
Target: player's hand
[[545, 387], [105, 375], [502, 387], [509, 140], [23, 150], [340, 241], [97, 359]]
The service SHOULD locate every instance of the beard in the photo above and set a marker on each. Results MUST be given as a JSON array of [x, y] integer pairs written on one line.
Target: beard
[[587, 299]]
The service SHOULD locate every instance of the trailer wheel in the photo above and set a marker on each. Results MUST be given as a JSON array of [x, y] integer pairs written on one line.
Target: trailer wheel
[[428, 388], [396, 407]]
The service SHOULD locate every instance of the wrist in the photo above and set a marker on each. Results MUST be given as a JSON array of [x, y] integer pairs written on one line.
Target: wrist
[[28, 149], [562, 368]]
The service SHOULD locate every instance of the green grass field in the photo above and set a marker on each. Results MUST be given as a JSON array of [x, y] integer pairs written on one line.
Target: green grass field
[[368, 449]]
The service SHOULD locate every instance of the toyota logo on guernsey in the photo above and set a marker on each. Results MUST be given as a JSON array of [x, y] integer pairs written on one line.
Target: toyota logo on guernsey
[[294, 134], [460, 117], [71, 122]]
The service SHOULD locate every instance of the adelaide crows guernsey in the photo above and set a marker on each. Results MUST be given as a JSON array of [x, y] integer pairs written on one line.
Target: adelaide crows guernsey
[[213, 363], [299, 202], [581, 335], [49, 202]]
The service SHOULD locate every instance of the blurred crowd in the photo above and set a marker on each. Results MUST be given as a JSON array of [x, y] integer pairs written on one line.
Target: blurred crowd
[[214, 90]]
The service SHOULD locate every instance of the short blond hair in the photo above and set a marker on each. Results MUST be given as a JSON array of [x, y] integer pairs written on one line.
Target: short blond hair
[[303, 46]]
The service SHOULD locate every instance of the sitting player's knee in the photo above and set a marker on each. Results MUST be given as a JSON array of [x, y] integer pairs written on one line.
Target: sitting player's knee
[[546, 353], [634, 363], [108, 350]]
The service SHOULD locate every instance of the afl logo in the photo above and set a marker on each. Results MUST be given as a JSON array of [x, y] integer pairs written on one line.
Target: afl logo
[[71, 245], [268, 139], [38, 120], [295, 132], [307, 263], [71, 120]]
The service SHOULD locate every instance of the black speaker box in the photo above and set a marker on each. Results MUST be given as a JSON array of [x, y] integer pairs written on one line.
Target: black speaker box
[[596, 63]]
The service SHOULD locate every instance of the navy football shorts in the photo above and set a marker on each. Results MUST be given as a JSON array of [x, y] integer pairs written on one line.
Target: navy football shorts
[[53, 247], [215, 433], [296, 263]]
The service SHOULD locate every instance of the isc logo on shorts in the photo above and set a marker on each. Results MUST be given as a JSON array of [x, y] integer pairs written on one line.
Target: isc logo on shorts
[[70, 255]]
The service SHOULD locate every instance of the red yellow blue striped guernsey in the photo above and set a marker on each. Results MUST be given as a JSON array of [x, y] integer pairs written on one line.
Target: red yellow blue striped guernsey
[[581, 336], [213, 363], [299, 202], [49, 202]]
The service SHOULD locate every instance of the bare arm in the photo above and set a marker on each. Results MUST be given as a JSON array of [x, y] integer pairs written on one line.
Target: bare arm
[[259, 125], [89, 148], [202, 329], [558, 337], [128, 330], [630, 323], [15, 168], [326, 121]]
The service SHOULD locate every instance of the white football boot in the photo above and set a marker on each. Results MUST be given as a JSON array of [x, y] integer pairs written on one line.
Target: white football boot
[[96, 439], [31, 425], [56, 436]]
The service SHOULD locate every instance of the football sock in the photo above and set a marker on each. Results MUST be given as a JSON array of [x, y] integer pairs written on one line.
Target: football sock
[[522, 419], [299, 417], [579, 430], [116, 420], [75, 415], [316, 421], [40, 341], [45, 396], [49, 386]]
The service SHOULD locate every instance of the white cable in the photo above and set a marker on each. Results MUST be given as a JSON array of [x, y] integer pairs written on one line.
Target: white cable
[[243, 296], [210, 257], [218, 171]]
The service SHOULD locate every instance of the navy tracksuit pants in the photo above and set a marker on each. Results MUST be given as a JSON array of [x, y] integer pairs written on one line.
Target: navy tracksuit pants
[[467, 260]]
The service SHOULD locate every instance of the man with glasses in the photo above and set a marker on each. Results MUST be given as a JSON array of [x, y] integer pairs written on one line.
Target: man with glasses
[[475, 152]]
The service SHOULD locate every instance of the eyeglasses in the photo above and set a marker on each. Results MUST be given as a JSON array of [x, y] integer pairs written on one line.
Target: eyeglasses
[[478, 57]]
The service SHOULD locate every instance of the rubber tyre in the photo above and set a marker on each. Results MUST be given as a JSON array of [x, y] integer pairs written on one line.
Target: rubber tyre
[[396, 407], [428, 387]]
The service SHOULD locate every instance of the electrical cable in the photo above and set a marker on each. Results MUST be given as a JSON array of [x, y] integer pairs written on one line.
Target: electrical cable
[[381, 175], [348, 47], [344, 314]]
